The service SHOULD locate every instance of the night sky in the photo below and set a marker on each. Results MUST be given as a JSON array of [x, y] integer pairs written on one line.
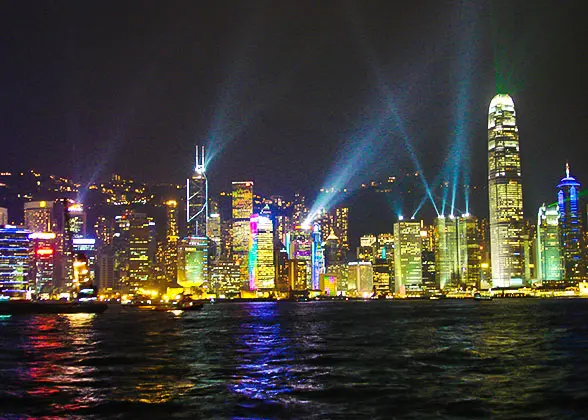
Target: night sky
[[289, 94]]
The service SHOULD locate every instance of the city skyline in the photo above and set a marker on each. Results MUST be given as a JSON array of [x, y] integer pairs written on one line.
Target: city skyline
[[304, 110]]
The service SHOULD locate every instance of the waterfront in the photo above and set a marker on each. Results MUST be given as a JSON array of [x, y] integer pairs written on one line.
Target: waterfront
[[375, 359]]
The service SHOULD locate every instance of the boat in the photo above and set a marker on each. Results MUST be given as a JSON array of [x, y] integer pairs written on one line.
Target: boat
[[479, 296], [22, 307], [187, 306]]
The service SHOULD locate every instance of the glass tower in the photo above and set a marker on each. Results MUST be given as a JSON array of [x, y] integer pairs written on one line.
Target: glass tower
[[197, 197], [548, 244], [505, 193], [570, 223], [407, 257]]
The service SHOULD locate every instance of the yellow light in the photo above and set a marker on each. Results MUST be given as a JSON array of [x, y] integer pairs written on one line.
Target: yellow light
[[43, 204], [484, 265]]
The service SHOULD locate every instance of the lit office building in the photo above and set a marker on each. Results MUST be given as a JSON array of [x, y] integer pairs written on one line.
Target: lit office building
[[197, 197], [570, 222], [193, 267], [76, 223], [367, 248], [505, 194], [38, 216], [104, 228], [242, 209], [341, 230], [469, 255], [446, 255], [87, 246], [408, 275], [317, 257], [297, 274], [549, 258], [262, 269], [299, 247], [139, 235], [214, 229], [226, 279], [381, 279], [3, 216], [361, 278], [170, 247], [14, 261], [42, 270]]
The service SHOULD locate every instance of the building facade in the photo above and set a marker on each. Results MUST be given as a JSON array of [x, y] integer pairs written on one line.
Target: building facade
[[505, 194]]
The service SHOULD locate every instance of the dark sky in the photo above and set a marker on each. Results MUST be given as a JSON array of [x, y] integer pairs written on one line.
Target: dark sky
[[289, 92]]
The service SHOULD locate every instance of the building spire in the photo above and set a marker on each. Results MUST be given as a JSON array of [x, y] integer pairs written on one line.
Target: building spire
[[567, 169]]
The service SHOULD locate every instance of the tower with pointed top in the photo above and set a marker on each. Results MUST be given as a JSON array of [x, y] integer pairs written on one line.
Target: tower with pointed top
[[505, 194], [570, 223], [197, 197]]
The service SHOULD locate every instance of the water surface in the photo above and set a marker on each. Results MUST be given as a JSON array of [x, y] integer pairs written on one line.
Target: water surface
[[378, 359]]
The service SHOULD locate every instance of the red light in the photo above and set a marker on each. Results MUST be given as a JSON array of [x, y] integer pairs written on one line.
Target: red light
[[44, 252]]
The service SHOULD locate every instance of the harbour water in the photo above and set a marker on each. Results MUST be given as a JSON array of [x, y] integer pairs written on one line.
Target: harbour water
[[499, 359]]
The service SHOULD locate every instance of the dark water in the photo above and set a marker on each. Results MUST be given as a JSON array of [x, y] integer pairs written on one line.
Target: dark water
[[427, 359]]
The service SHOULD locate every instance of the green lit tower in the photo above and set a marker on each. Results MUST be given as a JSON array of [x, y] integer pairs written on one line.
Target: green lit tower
[[505, 194], [549, 261]]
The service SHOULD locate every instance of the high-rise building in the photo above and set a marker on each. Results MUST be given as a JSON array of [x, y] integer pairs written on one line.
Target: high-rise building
[[262, 269], [505, 193], [570, 222], [193, 267], [299, 247], [549, 258], [138, 251], [226, 279], [242, 209], [317, 257], [446, 255], [197, 197], [42, 270], [14, 261], [408, 274], [38, 216], [297, 274], [341, 230], [468, 248], [214, 229], [242, 200], [361, 278], [170, 247]]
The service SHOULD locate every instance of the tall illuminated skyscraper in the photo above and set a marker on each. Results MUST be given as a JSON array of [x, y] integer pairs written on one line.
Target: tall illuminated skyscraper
[[570, 223], [214, 228], [262, 272], [446, 251], [549, 259], [468, 248], [242, 209], [505, 193], [408, 274], [172, 237], [197, 197], [138, 251]]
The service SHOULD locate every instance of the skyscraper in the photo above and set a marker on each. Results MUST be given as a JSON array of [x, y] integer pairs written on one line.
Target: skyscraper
[[505, 193], [570, 222], [197, 197], [171, 243], [242, 209], [549, 259], [138, 250], [408, 274], [38, 216], [14, 261], [446, 251], [262, 273]]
